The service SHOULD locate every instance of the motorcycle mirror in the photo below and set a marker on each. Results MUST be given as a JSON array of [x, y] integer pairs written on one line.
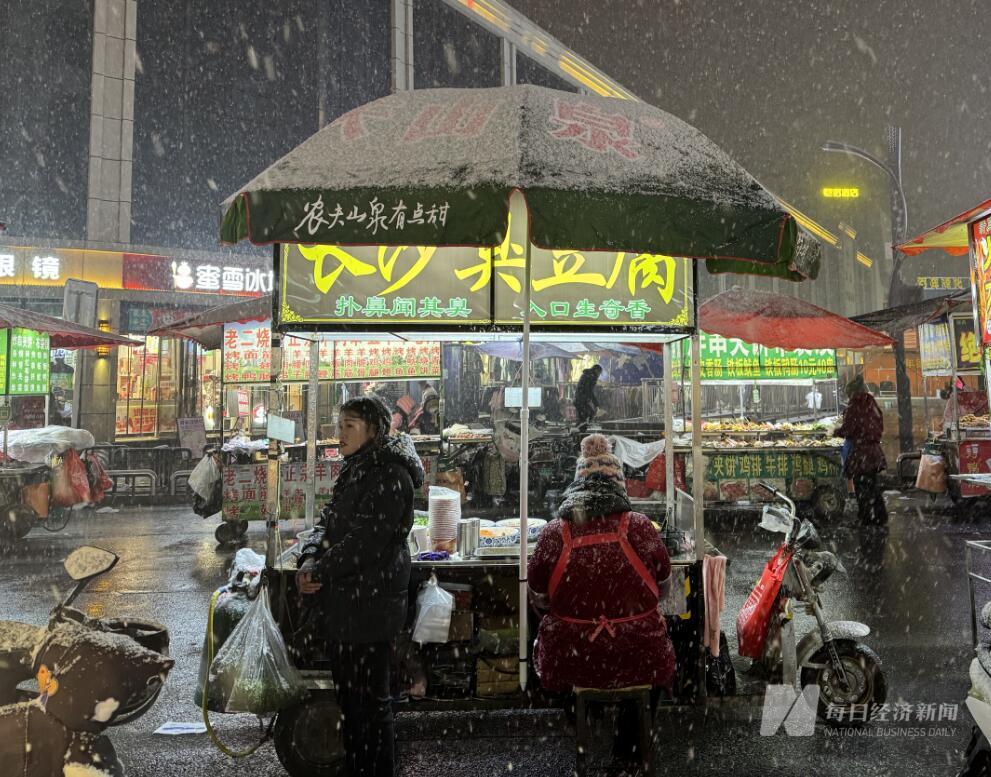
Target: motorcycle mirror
[[89, 561]]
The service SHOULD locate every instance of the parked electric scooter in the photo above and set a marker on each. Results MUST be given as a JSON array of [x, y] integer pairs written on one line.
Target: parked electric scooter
[[20, 640], [848, 673]]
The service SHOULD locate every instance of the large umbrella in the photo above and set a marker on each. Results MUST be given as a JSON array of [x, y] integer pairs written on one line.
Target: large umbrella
[[61, 333], [779, 321], [436, 167]]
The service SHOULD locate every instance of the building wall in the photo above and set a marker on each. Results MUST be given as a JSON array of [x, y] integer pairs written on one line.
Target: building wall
[[45, 54]]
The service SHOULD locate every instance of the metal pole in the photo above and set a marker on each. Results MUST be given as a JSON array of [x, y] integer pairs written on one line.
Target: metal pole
[[698, 463], [669, 434], [312, 408], [896, 289], [274, 449], [525, 469]]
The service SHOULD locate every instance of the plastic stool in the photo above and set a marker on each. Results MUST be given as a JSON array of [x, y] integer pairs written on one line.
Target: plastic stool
[[638, 694]]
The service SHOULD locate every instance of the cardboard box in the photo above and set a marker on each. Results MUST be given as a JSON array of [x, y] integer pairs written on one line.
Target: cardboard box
[[462, 626], [498, 622], [497, 676]]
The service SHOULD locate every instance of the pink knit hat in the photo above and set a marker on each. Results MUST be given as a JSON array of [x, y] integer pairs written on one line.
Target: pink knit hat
[[597, 459]]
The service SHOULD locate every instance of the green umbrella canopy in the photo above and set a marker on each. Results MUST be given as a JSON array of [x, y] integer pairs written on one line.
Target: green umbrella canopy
[[436, 167]]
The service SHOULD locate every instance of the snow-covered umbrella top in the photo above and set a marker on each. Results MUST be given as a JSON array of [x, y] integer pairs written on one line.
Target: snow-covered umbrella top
[[436, 167]]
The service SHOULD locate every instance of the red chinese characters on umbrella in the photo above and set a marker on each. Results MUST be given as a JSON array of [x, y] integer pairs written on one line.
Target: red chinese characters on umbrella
[[593, 128]]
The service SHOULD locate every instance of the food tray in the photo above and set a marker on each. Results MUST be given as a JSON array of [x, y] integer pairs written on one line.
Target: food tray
[[504, 551]]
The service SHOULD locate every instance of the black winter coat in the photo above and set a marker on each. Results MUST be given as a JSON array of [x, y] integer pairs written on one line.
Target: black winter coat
[[359, 546]]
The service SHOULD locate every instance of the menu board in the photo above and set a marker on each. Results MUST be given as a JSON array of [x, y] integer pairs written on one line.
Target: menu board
[[363, 359], [296, 359], [28, 362]]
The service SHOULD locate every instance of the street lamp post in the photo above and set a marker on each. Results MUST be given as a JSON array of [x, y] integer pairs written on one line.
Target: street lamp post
[[896, 289]]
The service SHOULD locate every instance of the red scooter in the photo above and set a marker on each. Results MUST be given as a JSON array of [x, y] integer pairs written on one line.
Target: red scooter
[[831, 655]]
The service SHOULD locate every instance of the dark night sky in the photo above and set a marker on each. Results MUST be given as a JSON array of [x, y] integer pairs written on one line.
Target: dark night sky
[[771, 80]]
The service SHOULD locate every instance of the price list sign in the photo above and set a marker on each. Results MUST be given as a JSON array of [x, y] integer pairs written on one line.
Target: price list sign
[[28, 362]]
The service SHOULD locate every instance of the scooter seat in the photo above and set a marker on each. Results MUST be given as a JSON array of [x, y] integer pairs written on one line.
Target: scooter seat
[[19, 641], [986, 615], [984, 653]]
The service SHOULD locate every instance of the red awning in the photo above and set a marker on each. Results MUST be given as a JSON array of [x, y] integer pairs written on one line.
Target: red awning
[[62, 333], [950, 236], [779, 321], [207, 327]]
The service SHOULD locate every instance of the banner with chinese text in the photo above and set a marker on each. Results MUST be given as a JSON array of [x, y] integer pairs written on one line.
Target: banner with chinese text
[[247, 352], [966, 351], [730, 359], [935, 348], [423, 287], [981, 268], [28, 362]]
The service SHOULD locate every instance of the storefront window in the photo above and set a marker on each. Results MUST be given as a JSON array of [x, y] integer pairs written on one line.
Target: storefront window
[[146, 389]]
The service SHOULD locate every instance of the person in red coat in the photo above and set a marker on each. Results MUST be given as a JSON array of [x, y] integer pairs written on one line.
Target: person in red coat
[[863, 426], [599, 571]]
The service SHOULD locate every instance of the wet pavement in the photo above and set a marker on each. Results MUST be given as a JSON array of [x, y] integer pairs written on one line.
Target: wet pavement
[[907, 582]]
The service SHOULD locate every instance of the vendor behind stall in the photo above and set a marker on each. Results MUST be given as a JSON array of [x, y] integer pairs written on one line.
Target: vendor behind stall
[[962, 401], [586, 403], [600, 569]]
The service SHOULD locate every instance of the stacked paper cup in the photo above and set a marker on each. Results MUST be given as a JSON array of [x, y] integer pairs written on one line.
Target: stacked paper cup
[[444, 513]]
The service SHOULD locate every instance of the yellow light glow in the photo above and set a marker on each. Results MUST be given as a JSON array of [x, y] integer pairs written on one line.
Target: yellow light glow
[[865, 260], [840, 192], [812, 226]]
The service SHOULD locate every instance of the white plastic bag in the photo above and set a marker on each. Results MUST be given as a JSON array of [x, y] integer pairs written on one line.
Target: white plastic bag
[[252, 670], [203, 476], [434, 606]]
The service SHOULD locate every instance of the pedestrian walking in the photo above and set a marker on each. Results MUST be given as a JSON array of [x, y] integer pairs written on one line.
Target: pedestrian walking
[[863, 426], [354, 575]]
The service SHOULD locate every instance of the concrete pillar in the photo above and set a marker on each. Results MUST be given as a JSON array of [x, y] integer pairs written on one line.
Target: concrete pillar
[[111, 142], [98, 374]]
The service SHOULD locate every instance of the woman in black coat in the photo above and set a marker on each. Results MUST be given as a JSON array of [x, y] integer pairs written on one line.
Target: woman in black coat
[[354, 574]]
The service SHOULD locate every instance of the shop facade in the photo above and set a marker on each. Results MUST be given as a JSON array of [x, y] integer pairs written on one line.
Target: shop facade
[[130, 395]]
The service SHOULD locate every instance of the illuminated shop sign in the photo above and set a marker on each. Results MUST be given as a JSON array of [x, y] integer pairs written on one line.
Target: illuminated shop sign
[[40, 267], [162, 273], [841, 192]]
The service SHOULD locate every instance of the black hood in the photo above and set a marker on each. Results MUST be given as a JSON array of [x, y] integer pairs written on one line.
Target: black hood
[[399, 449], [593, 496]]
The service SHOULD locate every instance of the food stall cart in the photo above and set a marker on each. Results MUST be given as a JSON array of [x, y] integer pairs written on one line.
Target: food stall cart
[[242, 331], [751, 338], [389, 223], [967, 442]]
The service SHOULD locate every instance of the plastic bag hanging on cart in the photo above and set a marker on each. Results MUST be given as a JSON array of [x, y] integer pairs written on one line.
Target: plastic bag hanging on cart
[[434, 606], [252, 671]]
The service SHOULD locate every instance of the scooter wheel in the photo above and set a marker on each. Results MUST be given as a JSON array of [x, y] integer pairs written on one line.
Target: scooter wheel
[[227, 533], [866, 690], [828, 503], [307, 738], [20, 519]]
